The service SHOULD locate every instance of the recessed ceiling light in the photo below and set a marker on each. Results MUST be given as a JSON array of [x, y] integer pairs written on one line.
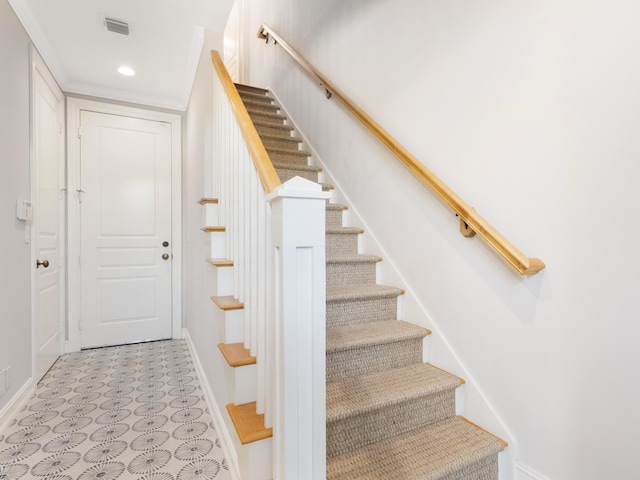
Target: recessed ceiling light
[[126, 71]]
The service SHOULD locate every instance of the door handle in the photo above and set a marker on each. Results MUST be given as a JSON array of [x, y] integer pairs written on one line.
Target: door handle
[[44, 263], [165, 256]]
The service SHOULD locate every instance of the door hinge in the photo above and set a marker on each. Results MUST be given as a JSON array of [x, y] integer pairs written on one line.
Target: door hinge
[[79, 132]]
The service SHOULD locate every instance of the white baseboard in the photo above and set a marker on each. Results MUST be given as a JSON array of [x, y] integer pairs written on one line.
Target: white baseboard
[[13, 407], [527, 473], [221, 427]]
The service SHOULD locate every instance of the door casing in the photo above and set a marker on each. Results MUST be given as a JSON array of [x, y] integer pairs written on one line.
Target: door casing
[[74, 107]]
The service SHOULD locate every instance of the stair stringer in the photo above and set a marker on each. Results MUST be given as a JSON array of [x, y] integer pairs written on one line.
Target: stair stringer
[[251, 461], [471, 402]]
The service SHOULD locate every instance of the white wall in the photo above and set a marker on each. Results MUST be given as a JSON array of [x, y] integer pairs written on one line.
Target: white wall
[[197, 183], [15, 271], [529, 111]]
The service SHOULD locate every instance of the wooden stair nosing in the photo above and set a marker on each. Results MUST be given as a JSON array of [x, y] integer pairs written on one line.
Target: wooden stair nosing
[[337, 207], [504, 442], [207, 200], [227, 303], [462, 380], [345, 231], [211, 229], [248, 423], [236, 355], [219, 262]]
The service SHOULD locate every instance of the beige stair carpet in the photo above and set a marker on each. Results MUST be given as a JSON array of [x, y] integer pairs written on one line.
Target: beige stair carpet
[[389, 416]]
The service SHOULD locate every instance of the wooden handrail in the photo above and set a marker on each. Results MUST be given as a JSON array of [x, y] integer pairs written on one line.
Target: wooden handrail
[[514, 257], [268, 176]]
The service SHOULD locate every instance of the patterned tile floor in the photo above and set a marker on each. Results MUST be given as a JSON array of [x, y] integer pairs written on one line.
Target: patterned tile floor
[[128, 412]]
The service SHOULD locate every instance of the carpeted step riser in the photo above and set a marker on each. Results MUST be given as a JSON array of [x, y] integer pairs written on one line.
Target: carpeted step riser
[[291, 145], [368, 359], [286, 174], [338, 243], [351, 273], [486, 468], [349, 434], [274, 130], [351, 312], [333, 218]]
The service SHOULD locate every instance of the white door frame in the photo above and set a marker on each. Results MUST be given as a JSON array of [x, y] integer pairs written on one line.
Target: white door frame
[[74, 107], [38, 67]]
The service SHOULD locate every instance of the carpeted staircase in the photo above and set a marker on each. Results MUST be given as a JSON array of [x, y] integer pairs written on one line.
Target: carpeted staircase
[[389, 416]]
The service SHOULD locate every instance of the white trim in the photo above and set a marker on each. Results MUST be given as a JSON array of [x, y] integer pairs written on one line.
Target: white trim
[[13, 406], [527, 473], [38, 38], [81, 88], [216, 414], [74, 107]]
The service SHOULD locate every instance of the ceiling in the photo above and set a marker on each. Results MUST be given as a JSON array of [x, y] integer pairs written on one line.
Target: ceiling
[[163, 46]]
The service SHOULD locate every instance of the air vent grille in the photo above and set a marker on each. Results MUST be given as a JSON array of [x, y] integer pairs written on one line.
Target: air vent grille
[[116, 26]]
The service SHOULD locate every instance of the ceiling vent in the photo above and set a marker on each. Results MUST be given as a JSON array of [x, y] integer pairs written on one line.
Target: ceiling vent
[[116, 26]]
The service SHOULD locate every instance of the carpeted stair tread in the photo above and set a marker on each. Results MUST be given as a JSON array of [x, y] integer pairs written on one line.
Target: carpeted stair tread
[[256, 97], [251, 89], [293, 166], [349, 337], [291, 153], [375, 391], [279, 138], [447, 450], [344, 231], [266, 116], [339, 293], [262, 106], [286, 129], [353, 258]]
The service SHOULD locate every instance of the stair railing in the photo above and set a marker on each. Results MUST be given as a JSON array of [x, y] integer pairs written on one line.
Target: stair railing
[[275, 236], [471, 222]]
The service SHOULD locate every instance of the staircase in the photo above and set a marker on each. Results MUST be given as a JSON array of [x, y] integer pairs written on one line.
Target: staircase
[[389, 415]]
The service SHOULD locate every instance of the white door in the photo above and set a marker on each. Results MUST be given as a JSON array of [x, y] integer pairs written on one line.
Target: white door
[[48, 218], [125, 223]]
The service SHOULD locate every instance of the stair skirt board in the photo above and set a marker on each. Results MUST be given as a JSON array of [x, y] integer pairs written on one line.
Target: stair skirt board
[[389, 415]]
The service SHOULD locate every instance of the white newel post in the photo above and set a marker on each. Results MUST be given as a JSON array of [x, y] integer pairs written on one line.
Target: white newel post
[[299, 415]]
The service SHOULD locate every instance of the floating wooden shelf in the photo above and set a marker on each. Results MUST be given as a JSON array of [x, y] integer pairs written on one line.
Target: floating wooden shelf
[[236, 355], [249, 424], [227, 303], [204, 201], [219, 262]]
